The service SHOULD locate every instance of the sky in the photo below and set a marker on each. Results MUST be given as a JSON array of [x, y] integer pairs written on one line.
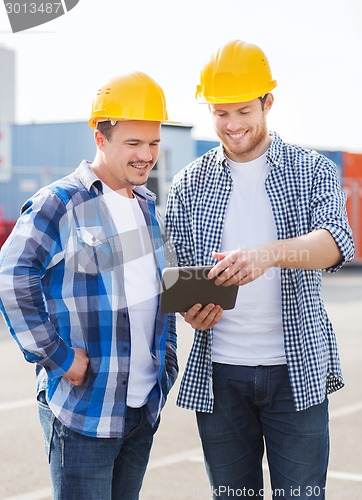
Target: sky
[[314, 49]]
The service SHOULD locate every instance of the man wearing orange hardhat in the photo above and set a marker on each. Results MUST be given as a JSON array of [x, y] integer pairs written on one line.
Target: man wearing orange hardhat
[[270, 217], [79, 290]]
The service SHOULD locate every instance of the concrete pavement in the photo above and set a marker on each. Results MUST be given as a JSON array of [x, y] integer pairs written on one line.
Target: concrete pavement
[[176, 469]]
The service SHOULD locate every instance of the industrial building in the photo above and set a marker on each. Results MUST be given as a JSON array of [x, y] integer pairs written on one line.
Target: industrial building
[[42, 153]]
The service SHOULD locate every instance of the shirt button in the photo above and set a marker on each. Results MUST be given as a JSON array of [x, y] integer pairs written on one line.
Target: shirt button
[[219, 219], [228, 188]]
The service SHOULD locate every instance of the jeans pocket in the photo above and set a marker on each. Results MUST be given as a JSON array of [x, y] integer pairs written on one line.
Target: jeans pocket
[[47, 419]]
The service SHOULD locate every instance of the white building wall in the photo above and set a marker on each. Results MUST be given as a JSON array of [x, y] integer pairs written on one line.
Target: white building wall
[[7, 110], [7, 86]]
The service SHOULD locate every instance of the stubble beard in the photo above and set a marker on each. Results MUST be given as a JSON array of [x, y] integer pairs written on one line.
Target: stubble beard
[[245, 149]]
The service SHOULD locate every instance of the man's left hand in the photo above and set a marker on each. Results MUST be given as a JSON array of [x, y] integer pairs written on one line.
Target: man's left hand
[[202, 318]]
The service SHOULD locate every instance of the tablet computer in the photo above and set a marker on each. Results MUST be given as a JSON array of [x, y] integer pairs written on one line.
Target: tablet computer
[[183, 287]]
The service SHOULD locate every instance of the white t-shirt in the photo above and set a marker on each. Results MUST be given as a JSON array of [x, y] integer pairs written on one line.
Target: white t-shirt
[[142, 288], [251, 334]]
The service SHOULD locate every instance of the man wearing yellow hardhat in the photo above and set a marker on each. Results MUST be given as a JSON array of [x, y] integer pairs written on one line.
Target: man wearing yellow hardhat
[[270, 216], [79, 288]]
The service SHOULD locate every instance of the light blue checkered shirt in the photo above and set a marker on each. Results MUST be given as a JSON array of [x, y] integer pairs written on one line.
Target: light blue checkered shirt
[[61, 285], [305, 195]]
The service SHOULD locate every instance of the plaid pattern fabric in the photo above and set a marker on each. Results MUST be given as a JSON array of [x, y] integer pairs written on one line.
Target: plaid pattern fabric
[[61, 285], [305, 195]]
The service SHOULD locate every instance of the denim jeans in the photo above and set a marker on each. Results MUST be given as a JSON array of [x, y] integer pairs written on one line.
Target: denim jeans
[[254, 408], [87, 468]]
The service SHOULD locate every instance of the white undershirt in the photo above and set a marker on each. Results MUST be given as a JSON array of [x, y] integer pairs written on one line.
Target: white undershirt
[[142, 288], [251, 334]]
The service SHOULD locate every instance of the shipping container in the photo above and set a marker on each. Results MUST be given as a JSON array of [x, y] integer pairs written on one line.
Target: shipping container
[[6, 226], [352, 186], [352, 165]]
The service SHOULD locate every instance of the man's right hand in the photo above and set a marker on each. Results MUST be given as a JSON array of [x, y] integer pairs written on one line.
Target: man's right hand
[[76, 373]]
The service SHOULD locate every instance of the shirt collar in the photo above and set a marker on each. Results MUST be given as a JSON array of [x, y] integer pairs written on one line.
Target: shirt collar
[[275, 150], [143, 192], [221, 159], [88, 178]]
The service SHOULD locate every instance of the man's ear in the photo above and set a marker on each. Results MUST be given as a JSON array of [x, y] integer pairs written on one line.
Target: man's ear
[[99, 139], [268, 102]]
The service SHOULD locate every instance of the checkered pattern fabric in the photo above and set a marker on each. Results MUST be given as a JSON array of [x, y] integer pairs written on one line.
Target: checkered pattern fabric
[[305, 194], [61, 285]]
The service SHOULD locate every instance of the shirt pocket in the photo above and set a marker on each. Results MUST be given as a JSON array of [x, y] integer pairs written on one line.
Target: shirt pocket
[[93, 251]]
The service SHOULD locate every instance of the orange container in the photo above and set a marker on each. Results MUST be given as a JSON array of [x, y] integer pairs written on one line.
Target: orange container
[[352, 165], [352, 186]]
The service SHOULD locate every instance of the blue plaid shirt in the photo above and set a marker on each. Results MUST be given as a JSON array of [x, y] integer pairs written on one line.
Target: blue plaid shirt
[[305, 194], [61, 285]]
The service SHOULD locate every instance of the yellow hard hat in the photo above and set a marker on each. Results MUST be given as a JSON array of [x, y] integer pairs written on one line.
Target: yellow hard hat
[[134, 96], [237, 72]]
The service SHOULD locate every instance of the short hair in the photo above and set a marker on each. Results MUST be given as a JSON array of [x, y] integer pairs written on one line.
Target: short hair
[[263, 99], [105, 128]]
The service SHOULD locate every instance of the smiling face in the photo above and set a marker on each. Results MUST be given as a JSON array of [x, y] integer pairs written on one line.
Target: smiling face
[[125, 159], [242, 128]]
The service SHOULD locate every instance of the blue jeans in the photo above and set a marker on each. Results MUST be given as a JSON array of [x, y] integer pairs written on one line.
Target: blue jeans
[[253, 406], [87, 468]]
